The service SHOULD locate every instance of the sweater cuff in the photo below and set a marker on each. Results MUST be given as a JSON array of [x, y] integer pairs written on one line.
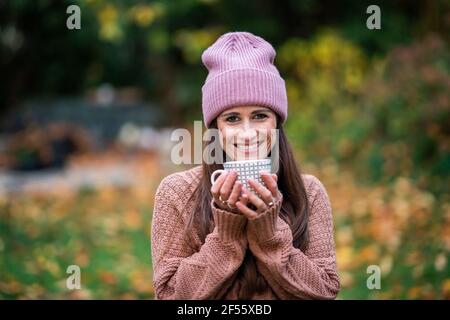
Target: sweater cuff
[[230, 226], [265, 224]]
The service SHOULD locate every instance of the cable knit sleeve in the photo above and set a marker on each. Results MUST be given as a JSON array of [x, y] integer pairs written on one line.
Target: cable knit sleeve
[[291, 273], [179, 271]]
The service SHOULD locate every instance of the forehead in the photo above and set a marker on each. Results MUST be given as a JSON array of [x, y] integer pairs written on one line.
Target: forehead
[[245, 109]]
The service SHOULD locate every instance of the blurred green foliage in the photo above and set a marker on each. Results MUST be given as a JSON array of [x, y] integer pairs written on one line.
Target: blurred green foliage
[[103, 231], [156, 45], [384, 117]]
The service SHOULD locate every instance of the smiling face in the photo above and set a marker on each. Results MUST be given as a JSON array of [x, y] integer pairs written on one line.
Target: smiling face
[[245, 132]]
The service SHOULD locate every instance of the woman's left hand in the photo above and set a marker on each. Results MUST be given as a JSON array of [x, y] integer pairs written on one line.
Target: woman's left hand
[[269, 195]]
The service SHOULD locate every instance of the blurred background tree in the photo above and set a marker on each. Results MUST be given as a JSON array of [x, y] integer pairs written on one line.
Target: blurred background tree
[[156, 45]]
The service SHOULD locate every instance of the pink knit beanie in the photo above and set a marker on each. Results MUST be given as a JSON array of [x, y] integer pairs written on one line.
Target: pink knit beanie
[[241, 72]]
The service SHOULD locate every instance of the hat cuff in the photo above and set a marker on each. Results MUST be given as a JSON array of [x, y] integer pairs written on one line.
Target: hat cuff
[[243, 87]]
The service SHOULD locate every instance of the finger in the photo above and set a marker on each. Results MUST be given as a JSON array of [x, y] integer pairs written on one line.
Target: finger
[[227, 186], [271, 184], [234, 196], [215, 189], [275, 177], [250, 214], [218, 184], [244, 198], [266, 195], [257, 202]]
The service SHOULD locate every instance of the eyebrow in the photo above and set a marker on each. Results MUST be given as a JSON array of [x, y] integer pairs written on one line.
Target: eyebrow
[[237, 113]]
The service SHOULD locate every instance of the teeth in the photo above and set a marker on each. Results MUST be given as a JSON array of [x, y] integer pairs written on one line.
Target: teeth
[[253, 147]]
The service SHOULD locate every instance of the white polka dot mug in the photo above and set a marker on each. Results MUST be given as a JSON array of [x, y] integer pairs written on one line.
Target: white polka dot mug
[[246, 169]]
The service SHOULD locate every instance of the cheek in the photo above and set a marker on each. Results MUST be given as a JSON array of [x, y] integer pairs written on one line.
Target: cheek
[[272, 133], [227, 138], [268, 135]]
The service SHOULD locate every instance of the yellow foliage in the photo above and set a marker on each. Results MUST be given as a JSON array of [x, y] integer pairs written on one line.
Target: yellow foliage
[[110, 29], [194, 42], [145, 14]]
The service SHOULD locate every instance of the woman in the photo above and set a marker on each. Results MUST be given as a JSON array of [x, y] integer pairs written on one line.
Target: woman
[[223, 241]]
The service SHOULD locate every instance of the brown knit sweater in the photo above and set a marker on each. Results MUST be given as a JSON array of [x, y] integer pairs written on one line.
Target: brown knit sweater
[[208, 270]]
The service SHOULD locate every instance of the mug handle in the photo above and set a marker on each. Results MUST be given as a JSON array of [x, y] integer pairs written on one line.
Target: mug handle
[[213, 175]]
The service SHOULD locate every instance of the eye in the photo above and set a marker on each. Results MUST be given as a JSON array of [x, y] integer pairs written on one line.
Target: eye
[[261, 116], [230, 119]]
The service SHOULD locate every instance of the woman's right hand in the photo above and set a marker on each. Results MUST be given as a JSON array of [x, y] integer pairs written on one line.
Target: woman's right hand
[[228, 189]]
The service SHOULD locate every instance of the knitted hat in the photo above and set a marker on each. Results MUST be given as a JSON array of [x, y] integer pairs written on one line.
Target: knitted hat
[[241, 72]]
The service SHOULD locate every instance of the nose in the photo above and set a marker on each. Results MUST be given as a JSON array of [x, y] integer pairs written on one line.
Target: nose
[[247, 135]]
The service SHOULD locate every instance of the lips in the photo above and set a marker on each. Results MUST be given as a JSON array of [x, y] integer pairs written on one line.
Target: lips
[[244, 147], [247, 147]]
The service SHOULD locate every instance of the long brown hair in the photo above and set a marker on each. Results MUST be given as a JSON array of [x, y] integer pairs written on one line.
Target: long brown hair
[[294, 210]]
